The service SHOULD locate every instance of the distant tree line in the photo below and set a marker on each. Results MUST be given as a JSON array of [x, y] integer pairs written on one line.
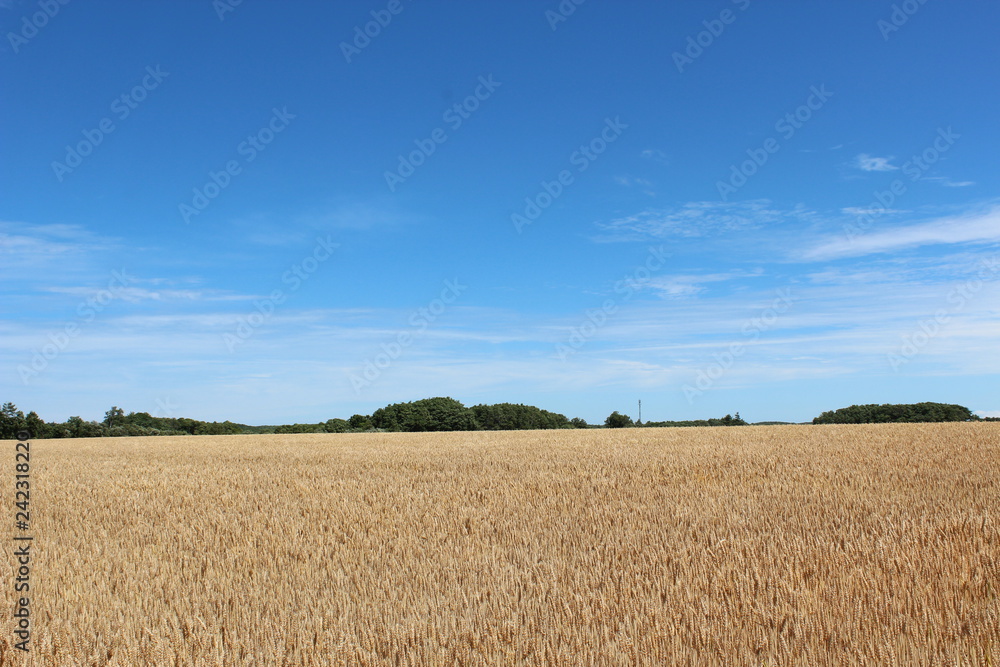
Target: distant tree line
[[432, 414], [116, 423], [616, 420], [891, 413], [728, 420]]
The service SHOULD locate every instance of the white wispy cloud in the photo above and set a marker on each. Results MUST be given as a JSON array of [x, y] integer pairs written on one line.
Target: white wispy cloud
[[132, 294], [866, 162], [948, 183], [975, 227], [696, 219], [691, 284], [30, 244], [858, 211], [39, 254]]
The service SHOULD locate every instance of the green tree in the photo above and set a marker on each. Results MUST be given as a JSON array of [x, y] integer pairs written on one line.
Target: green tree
[[428, 414], [11, 421], [217, 428], [142, 419], [78, 428], [336, 426], [510, 416], [75, 426], [578, 423], [447, 414], [114, 417], [57, 431], [616, 420], [360, 423], [410, 417], [187, 425], [729, 420], [34, 425]]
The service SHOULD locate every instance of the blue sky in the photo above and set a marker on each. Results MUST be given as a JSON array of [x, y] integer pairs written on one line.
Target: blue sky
[[277, 213]]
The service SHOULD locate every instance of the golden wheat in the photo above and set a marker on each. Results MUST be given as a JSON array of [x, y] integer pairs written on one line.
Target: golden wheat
[[822, 545]]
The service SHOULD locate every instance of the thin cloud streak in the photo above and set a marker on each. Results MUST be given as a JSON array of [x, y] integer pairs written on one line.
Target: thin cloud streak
[[983, 227]]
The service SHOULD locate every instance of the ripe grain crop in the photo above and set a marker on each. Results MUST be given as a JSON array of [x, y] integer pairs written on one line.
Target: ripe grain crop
[[780, 545]]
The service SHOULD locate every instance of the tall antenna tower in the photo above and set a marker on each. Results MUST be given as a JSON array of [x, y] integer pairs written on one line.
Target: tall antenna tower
[[640, 411]]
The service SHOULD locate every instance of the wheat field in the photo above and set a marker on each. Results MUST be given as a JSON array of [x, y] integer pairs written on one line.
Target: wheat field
[[779, 545]]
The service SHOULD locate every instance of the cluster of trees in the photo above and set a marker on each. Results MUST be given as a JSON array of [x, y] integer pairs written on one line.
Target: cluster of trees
[[447, 414], [511, 416], [616, 420], [356, 424], [429, 414], [887, 413], [12, 421]]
